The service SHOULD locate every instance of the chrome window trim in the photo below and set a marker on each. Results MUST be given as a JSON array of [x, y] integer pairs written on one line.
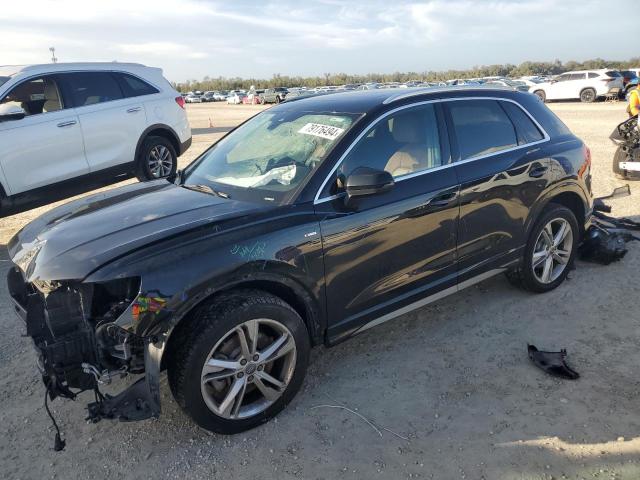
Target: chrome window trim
[[317, 200]]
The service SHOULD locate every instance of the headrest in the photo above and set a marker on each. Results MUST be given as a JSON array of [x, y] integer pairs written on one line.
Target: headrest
[[409, 128], [50, 91]]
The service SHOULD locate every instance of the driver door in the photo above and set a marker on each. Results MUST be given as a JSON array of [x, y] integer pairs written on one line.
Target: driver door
[[44, 147], [385, 251]]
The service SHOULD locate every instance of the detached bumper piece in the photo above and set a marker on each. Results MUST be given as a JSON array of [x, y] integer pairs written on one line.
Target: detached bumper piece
[[605, 241], [552, 363]]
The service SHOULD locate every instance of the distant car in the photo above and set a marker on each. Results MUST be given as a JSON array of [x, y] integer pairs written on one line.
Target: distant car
[[630, 80], [193, 98], [516, 85], [67, 128], [585, 85], [530, 81], [235, 98], [208, 97], [274, 95]]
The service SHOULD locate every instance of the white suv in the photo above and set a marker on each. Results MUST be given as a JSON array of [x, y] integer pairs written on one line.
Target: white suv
[[67, 128], [586, 85]]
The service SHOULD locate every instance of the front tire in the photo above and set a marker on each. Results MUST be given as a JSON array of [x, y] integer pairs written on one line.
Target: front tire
[[240, 362], [157, 159], [588, 95], [550, 251]]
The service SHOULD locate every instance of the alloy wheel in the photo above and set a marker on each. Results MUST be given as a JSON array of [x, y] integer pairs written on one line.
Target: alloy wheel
[[160, 161], [248, 369], [552, 250]]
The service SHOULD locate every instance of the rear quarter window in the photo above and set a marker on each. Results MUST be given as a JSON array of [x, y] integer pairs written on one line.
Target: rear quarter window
[[481, 127], [133, 86], [526, 130]]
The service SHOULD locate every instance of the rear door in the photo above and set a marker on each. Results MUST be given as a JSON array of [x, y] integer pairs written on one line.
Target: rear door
[[111, 123], [389, 250], [45, 146], [502, 171]]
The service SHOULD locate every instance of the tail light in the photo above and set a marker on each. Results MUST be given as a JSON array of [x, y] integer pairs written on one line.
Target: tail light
[[586, 165], [607, 79], [180, 102]]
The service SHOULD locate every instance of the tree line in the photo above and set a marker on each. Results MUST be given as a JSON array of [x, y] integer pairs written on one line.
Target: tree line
[[507, 70]]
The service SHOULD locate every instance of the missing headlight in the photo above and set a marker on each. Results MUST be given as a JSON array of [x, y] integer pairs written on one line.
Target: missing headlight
[[110, 299]]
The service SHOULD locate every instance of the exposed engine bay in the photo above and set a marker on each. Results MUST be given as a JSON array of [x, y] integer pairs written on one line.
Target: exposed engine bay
[[84, 338]]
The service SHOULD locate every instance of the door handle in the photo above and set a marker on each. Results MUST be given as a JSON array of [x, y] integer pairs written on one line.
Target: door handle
[[538, 172], [443, 200], [134, 109], [67, 124]]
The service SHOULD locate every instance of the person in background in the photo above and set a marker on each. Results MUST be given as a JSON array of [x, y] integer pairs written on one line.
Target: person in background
[[634, 102]]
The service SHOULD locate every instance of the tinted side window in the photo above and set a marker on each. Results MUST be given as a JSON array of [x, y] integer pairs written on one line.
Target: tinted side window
[[593, 75], [481, 127], [89, 88], [404, 143], [134, 87], [527, 131], [35, 96], [577, 76]]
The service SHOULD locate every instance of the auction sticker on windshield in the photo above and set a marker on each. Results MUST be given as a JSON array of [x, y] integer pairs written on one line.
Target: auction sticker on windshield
[[320, 130]]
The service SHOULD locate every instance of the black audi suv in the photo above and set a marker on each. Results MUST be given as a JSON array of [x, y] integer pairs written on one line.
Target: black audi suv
[[309, 223]]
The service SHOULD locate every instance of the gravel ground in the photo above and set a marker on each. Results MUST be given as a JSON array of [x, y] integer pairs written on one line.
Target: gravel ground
[[449, 386]]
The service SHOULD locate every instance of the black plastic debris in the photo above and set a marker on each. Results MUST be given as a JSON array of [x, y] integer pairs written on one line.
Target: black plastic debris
[[552, 362], [605, 241]]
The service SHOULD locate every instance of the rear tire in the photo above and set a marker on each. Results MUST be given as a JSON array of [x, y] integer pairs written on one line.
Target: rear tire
[[531, 273], [157, 159], [233, 398], [588, 95], [619, 156], [541, 95]]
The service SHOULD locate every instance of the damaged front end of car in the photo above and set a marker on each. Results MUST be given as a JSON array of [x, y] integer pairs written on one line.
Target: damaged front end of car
[[86, 335]]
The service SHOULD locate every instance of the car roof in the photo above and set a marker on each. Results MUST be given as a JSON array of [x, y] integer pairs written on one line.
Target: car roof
[[595, 70], [63, 67], [364, 101]]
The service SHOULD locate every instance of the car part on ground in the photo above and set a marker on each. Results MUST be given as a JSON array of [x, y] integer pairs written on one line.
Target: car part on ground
[[605, 240], [626, 161], [553, 363], [296, 228]]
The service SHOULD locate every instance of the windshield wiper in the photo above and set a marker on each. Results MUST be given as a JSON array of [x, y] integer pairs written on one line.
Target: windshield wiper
[[206, 189]]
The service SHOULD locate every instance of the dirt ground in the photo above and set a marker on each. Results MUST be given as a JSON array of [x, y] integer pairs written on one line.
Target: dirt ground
[[449, 387]]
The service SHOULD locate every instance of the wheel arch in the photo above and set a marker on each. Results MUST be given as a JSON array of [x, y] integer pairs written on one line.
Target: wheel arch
[[286, 289], [159, 130], [571, 197]]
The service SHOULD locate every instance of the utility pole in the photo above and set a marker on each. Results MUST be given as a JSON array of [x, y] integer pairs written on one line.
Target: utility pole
[[53, 55]]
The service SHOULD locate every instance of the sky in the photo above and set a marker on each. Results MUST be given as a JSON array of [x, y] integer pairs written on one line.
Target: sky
[[190, 39]]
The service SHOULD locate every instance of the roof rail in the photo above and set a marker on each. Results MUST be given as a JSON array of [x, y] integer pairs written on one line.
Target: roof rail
[[420, 91]]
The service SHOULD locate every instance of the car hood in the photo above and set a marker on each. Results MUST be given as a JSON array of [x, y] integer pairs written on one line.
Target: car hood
[[71, 241]]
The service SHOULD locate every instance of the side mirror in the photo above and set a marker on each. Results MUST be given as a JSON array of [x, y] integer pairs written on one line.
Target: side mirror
[[365, 181], [11, 112]]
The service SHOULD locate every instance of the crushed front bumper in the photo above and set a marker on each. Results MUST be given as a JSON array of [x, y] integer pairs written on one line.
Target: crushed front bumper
[[71, 352]]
